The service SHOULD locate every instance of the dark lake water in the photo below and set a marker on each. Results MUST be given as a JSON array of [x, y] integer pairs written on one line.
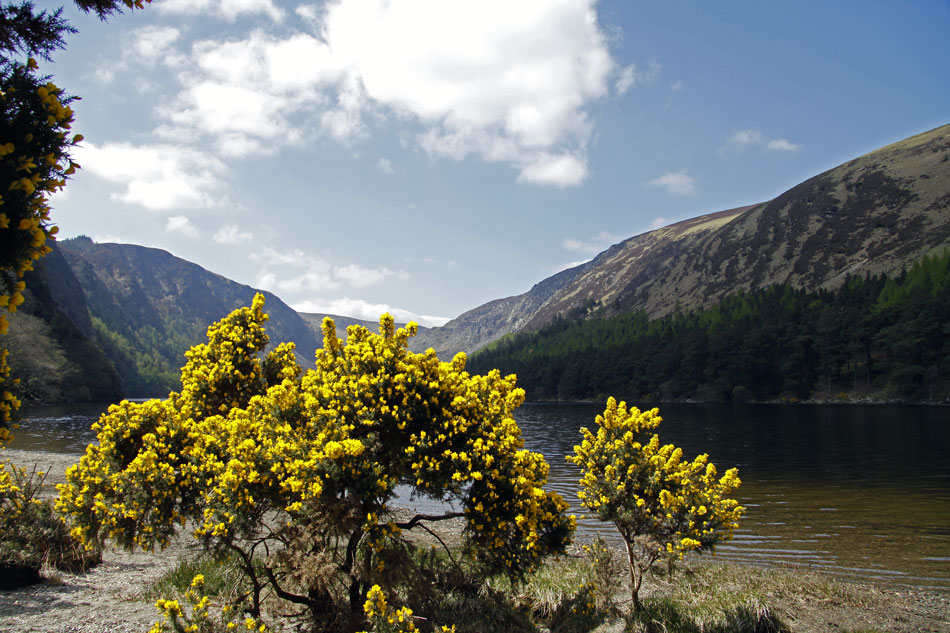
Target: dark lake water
[[856, 491]]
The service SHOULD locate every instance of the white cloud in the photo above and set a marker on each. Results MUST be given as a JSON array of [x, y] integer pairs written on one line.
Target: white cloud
[[782, 145], [310, 280], [385, 165], [295, 258], [677, 86], [508, 83], [228, 9], [629, 77], [153, 43], [231, 234], [309, 12], [562, 170], [296, 271], [659, 222], [750, 138], [745, 138], [110, 238], [255, 95], [568, 265], [101, 74], [266, 281], [360, 277], [677, 183], [181, 224], [307, 271], [592, 245], [626, 79], [157, 177], [360, 309]]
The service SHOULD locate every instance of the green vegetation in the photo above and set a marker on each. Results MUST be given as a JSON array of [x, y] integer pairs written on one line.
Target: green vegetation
[[574, 594], [875, 336], [294, 472], [32, 534], [223, 578], [145, 308], [660, 504], [147, 360], [50, 354]]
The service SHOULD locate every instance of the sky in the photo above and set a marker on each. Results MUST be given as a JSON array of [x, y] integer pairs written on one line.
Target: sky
[[425, 157]]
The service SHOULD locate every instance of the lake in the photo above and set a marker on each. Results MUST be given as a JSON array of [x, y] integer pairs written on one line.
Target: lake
[[856, 491]]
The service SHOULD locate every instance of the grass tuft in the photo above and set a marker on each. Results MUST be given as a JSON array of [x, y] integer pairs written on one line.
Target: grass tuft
[[224, 579]]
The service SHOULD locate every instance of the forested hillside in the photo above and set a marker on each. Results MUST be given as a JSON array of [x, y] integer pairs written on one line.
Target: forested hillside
[[148, 307], [876, 337]]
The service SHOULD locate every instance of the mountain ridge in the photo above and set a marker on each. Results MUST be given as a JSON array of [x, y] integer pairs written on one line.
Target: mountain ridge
[[875, 213]]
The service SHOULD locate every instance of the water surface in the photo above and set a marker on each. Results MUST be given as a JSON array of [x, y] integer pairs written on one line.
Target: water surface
[[856, 491]]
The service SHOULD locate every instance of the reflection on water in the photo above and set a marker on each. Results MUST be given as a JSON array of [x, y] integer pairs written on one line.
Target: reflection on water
[[57, 428], [856, 491]]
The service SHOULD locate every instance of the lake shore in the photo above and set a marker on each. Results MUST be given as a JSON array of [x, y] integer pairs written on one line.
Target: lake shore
[[109, 597]]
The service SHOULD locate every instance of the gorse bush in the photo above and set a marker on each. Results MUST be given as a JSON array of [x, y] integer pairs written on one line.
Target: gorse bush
[[32, 535], [660, 504], [35, 144], [294, 473], [198, 615]]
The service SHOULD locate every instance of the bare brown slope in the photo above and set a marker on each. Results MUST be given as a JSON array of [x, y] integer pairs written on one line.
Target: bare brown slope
[[633, 265], [875, 214]]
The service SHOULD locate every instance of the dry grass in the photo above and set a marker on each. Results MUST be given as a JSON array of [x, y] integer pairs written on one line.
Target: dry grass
[[701, 596]]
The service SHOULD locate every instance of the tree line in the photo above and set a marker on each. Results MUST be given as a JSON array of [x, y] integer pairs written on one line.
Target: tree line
[[875, 336]]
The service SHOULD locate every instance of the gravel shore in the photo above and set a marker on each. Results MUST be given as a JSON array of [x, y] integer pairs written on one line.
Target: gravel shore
[[108, 599]]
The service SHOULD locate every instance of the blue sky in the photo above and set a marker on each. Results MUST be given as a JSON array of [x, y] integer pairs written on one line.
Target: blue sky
[[426, 157]]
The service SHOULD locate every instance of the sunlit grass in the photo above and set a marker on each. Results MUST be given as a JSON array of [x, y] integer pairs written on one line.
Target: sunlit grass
[[701, 596], [224, 579]]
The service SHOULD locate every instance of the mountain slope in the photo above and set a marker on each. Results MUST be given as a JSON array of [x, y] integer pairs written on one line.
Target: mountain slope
[[51, 340], [315, 322], [490, 321], [875, 214], [147, 307], [874, 338]]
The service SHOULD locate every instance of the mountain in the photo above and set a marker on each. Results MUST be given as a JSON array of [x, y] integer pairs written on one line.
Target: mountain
[[876, 338], [875, 214], [480, 326], [51, 340], [315, 322], [139, 309]]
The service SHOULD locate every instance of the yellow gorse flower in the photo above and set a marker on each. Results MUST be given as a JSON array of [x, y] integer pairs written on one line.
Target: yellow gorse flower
[[250, 435], [659, 502]]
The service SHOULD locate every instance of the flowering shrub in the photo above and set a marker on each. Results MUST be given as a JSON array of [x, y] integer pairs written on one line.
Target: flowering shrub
[[660, 504], [35, 140], [34, 123], [31, 534], [386, 619], [198, 617], [295, 473]]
